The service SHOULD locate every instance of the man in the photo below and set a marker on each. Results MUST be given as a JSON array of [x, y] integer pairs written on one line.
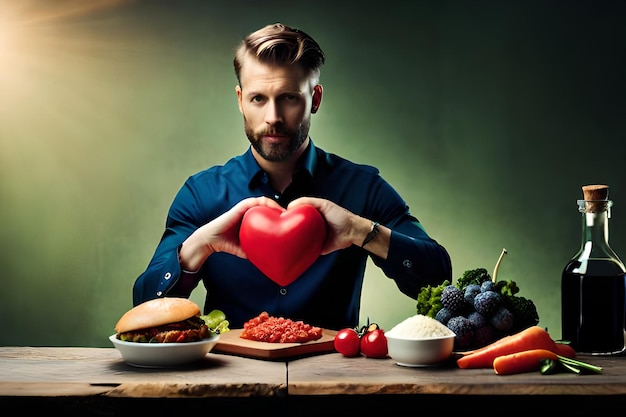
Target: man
[[278, 70]]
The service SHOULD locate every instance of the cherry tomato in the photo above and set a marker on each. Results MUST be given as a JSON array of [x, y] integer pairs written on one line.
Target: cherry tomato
[[347, 342], [374, 343]]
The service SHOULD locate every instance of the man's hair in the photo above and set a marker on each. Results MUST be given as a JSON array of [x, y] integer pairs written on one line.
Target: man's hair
[[279, 44]]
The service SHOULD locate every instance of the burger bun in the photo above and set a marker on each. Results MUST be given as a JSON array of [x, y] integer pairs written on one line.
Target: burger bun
[[157, 312]]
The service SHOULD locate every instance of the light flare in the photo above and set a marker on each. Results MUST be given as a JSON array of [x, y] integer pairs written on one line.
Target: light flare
[[27, 31]]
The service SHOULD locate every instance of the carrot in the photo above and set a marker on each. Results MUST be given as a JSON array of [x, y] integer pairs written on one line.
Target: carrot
[[533, 337], [520, 362], [565, 350]]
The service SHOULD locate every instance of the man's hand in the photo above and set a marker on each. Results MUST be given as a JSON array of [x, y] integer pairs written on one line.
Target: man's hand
[[344, 227], [219, 235]]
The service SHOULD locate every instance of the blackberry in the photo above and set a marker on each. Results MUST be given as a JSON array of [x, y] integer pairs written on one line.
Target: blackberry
[[443, 315], [452, 299], [470, 292], [463, 330], [477, 319], [484, 335], [486, 303], [502, 319], [487, 286]]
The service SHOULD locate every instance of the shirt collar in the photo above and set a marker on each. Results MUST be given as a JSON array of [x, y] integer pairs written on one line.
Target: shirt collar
[[307, 163]]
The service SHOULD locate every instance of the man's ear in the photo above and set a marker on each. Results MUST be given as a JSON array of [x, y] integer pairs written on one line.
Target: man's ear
[[238, 91], [318, 91]]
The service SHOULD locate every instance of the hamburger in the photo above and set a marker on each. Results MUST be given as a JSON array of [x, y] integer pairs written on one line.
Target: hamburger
[[163, 320]]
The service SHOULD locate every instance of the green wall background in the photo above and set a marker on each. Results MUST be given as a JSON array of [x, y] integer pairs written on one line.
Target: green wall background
[[487, 117]]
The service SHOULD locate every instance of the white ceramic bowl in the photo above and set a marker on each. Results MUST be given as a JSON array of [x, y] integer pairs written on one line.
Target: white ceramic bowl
[[159, 355], [420, 352]]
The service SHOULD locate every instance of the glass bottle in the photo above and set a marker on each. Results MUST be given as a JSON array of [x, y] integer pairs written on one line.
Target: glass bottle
[[593, 283]]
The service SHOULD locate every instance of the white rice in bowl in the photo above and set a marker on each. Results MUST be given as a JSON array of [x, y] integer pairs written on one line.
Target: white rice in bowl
[[419, 327]]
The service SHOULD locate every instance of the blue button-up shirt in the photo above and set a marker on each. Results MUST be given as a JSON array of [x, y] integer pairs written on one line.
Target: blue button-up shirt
[[328, 294]]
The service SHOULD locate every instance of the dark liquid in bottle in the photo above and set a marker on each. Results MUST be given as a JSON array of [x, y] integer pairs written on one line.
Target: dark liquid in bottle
[[592, 310]]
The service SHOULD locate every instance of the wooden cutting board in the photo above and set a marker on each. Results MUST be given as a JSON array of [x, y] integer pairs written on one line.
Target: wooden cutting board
[[231, 343]]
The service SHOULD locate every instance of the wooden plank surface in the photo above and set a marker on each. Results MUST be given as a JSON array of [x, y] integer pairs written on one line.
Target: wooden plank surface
[[52, 371], [334, 374], [233, 344]]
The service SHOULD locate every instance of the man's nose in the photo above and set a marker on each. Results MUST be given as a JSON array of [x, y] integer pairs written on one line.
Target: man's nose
[[273, 113]]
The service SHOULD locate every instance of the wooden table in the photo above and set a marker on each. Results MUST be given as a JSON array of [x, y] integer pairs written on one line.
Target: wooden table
[[96, 381], [352, 383]]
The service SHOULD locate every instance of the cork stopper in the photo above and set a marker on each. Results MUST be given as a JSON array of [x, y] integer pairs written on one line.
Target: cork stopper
[[595, 197]]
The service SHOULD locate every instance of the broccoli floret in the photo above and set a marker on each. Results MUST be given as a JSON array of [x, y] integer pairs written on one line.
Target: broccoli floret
[[524, 311], [502, 319], [452, 299], [429, 299], [463, 330], [508, 287], [473, 276], [486, 303]]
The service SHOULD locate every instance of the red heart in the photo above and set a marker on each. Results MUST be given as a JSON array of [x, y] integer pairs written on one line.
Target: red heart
[[282, 243]]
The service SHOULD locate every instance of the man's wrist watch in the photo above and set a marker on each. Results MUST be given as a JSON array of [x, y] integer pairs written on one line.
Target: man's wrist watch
[[371, 235]]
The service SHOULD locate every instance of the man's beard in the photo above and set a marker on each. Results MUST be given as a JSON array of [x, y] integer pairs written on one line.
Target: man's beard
[[278, 152]]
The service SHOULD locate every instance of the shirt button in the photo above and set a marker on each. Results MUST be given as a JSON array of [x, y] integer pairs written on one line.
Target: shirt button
[[159, 293], [407, 263], [283, 291], [167, 275]]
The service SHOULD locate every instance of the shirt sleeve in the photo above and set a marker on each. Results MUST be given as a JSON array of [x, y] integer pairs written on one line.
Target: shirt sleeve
[[414, 262], [164, 275], [414, 259]]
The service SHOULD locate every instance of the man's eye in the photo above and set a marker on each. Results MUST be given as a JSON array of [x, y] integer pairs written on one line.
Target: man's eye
[[257, 99]]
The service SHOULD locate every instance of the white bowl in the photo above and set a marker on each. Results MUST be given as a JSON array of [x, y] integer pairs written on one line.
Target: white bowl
[[159, 355], [420, 352]]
